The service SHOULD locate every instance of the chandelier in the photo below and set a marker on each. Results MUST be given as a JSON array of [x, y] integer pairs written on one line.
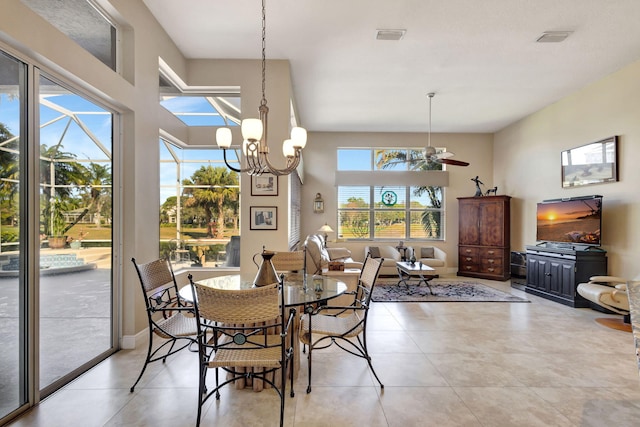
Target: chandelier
[[255, 148]]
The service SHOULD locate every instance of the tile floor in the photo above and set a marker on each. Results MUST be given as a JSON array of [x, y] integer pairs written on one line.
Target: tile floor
[[443, 364]]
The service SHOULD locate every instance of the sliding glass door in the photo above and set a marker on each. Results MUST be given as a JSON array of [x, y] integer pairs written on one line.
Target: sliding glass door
[[13, 349], [56, 240], [75, 231]]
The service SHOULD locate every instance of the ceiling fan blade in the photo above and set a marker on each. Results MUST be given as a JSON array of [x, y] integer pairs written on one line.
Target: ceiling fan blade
[[444, 155], [453, 162]]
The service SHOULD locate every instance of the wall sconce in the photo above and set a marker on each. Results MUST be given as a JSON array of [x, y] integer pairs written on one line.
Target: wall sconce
[[318, 204]]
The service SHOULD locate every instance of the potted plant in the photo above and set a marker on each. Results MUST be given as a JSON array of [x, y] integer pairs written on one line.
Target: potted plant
[[57, 239]]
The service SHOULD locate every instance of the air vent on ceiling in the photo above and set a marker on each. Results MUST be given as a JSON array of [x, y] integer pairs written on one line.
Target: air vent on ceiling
[[553, 36], [390, 34]]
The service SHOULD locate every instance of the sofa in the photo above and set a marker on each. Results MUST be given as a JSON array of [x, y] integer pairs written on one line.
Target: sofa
[[318, 256], [434, 257], [390, 254]]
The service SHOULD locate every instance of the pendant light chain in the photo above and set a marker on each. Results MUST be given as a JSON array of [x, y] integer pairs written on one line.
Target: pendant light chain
[[430, 95], [264, 50]]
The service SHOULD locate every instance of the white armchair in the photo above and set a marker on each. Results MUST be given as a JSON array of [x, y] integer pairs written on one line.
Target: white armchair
[[318, 256]]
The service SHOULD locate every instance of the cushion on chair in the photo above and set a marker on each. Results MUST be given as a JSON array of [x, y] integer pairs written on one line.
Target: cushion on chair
[[426, 253]]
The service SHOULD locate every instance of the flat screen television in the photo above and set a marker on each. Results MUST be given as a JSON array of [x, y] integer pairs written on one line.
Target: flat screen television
[[574, 221]]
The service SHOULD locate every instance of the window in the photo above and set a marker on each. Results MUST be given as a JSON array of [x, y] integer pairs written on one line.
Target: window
[[385, 194], [199, 206], [82, 22]]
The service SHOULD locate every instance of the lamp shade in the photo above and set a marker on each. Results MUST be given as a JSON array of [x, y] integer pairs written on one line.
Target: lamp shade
[[223, 137], [325, 229], [287, 148], [252, 129], [299, 137]]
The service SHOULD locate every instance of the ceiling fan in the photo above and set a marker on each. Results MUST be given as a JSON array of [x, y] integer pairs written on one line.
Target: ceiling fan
[[430, 153]]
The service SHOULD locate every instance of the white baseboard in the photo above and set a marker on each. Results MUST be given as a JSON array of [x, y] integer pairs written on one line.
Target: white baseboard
[[130, 342]]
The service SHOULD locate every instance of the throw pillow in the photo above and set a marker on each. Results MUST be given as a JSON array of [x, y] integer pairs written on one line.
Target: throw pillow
[[374, 251], [426, 253]]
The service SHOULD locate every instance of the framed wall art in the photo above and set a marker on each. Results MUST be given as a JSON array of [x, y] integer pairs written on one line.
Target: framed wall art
[[263, 217], [264, 185], [593, 163]]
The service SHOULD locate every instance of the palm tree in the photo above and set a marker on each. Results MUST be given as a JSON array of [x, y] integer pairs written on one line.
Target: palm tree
[[212, 189], [58, 173], [415, 160], [98, 180]]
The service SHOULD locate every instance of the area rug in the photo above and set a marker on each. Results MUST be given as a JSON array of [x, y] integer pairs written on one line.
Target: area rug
[[445, 291]]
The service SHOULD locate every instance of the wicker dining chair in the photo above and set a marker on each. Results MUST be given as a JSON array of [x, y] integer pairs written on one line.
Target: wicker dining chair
[[291, 261], [344, 326], [169, 317], [244, 333]]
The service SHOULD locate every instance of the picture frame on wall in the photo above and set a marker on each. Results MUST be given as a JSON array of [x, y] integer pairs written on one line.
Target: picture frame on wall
[[263, 217], [264, 185], [594, 163]]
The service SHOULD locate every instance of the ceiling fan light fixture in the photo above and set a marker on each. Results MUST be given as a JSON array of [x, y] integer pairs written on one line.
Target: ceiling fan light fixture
[[390, 34]]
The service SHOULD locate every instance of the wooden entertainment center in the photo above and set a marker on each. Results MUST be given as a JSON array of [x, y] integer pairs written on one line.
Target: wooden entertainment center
[[554, 271]]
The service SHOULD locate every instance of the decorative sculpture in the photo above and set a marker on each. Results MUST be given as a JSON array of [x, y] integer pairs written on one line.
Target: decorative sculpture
[[493, 190], [478, 189]]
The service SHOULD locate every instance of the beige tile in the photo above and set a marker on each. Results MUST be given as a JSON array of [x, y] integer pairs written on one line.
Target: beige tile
[[340, 407], [407, 369], [472, 370], [85, 408], [510, 406], [444, 364], [421, 406], [595, 406]]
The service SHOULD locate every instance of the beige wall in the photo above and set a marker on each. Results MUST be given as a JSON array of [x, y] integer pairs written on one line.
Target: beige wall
[[321, 160], [527, 163]]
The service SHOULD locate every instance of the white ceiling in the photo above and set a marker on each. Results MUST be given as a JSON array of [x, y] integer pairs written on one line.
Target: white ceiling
[[479, 56]]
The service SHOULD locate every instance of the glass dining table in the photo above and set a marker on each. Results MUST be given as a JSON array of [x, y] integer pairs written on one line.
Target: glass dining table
[[300, 291]]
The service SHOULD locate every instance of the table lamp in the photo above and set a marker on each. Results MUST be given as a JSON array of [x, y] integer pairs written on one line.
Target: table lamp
[[325, 229]]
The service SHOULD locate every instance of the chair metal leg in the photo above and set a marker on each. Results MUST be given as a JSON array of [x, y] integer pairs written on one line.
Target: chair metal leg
[[363, 344], [309, 368], [146, 362]]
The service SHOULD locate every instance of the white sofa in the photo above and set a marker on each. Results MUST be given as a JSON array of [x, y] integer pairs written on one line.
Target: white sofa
[[318, 256], [390, 254], [434, 257]]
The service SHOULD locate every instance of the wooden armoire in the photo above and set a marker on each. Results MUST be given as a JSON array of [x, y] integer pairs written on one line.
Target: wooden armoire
[[484, 237]]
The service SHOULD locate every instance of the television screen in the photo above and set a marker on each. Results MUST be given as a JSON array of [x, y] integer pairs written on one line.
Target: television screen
[[574, 221]]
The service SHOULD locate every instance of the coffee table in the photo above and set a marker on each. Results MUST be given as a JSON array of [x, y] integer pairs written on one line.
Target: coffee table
[[416, 271]]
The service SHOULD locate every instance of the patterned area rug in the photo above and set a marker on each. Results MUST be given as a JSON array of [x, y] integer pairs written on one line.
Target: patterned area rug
[[445, 291]]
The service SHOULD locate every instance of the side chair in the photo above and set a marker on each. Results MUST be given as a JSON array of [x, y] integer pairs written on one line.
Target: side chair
[[291, 261], [169, 317], [245, 334], [345, 327]]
